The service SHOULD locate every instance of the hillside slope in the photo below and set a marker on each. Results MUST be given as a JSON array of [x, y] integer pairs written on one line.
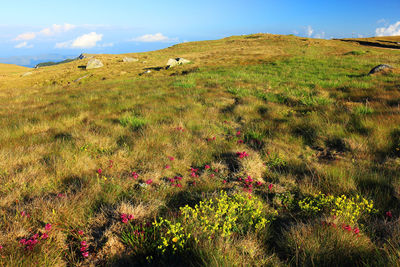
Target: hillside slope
[[288, 148]]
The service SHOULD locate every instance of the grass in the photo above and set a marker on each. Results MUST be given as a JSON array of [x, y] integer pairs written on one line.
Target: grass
[[271, 120]]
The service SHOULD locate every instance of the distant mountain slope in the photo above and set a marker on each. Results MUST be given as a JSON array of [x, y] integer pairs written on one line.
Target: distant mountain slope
[[32, 61], [384, 41]]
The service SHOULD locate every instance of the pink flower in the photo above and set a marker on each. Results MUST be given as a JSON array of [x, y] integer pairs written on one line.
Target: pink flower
[[240, 179], [347, 227], [99, 171], [83, 249], [356, 230], [389, 214], [47, 227], [1, 247], [135, 175], [212, 175], [167, 166], [270, 186], [207, 167], [130, 217], [124, 220], [224, 181], [216, 170], [171, 158], [240, 141], [83, 244], [85, 254], [149, 181], [242, 155], [80, 232], [178, 185], [259, 183], [44, 236], [238, 133], [178, 178]]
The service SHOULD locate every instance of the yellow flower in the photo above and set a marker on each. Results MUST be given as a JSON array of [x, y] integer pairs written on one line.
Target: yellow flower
[[175, 239]]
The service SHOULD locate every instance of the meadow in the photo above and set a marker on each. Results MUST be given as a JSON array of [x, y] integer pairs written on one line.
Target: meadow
[[265, 150]]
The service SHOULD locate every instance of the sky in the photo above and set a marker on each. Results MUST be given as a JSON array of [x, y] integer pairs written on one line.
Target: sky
[[70, 27]]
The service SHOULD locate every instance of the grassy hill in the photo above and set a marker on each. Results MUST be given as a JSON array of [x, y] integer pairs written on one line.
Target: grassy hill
[[266, 150]]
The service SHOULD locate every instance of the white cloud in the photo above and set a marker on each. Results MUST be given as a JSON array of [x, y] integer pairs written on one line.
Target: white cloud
[[320, 35], [23, 45], [85, 41], [55, 29], [153, 38], [26, 36], [309, 31], [391, 30], [381, 21]]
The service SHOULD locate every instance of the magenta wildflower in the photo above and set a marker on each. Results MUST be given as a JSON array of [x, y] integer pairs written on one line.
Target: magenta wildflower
[[207, 167], [135, 175], [44, 236], [150, 181], [171, 158], [356, 230], [389, 214], [99, 171], [240, 141], [1, 247], [80, 232], [47, 227], [238, 133], [242, 155], [259, 183], [167, 166], [83, 243], [270, 186], [85, 254], [224, 181]]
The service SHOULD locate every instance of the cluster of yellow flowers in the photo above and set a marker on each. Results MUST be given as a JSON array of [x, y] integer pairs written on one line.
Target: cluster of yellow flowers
[[174, 238], [348, 209], [225, 215]]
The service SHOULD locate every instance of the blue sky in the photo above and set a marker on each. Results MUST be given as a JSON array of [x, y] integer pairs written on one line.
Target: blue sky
[[70, 27]]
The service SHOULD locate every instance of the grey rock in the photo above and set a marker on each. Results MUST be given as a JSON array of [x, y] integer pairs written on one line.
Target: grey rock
[[380, 68], [94, 64], [83, 77], [26, 74], [145, 72], [172, 62], [130, 59]]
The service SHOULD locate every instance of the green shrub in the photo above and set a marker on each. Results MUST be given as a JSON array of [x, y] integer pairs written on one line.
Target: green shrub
[[133, 122]]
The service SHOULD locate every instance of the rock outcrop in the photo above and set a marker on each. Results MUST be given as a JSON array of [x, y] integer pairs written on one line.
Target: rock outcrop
[[130, 59], [94, 64], [172, 62], [380, 68]]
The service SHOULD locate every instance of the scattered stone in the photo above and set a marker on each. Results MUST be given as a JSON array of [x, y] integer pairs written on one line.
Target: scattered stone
[[26, 74], [123, 73], [172, 62], [94, 64], [145, 72], [83, 77], [379, 68], [130, 59]]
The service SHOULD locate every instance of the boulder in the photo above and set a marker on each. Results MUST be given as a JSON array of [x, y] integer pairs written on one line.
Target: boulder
[[130, 59], [26, 74], [94, 64], [379, 68], [172, 62]]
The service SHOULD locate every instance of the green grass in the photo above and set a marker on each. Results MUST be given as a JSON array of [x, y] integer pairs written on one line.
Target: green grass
[[302, 113]]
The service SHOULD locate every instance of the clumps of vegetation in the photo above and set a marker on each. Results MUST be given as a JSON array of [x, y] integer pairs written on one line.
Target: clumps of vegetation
[[225, 215], [133, 121], [363, 110], [349, 210], [356, 53]]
